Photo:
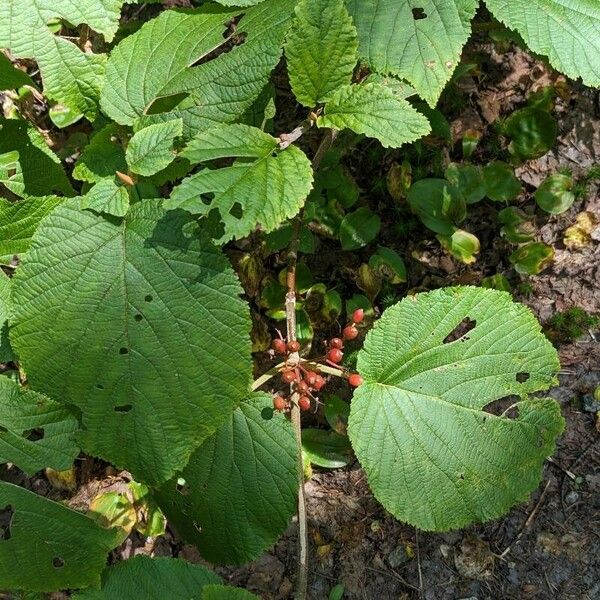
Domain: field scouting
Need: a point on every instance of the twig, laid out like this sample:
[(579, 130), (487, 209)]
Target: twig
[(419, 563), (286, 139), (565, 471), (290, 317), (529, 520)]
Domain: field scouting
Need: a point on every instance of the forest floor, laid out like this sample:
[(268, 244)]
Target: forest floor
[(546, 548)]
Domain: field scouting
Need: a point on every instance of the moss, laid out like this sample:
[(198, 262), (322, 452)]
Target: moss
[(569, 325)]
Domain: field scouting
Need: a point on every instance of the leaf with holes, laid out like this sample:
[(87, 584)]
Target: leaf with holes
[(35, 431), (18, 222), (89, 327), (320, 50), (151, 149), (108, 197), (54, 547), (566, 31), (71, 77), (418, 40), (433, 456), (164, 71), (240, 486), (375, 111), (264, 190)]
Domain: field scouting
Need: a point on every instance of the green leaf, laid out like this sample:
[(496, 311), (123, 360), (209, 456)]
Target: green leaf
[(517, 226), (336, 592), (468, 179), (240, 489), (374, 110), (38, 171), (326, 448), (320, 50), (90, 329), (151, 149), (242, 3), (566, 31), (359, 228), (399, 88), (5, 349), (433, 456), (438, 204), (532, 258), (501, 185), (462, 245), (63, 116), (151, 579), (18, 222), (496, 282), (107, 197), (418, 40), (554, 194), (532, 132), (226, 592), (103, 156), (389, 264), (54, 547), (149, 78), (336, 413), (265, 190), (71, 77), (23, 412), (12, 78)]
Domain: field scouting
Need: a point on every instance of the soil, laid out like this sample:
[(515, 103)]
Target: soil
[(547, 548)]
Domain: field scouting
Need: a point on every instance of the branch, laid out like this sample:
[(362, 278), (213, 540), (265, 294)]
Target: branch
[(290, 316), (286, 139)]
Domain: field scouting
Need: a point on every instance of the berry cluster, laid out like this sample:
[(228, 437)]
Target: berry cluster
[(306, 382)]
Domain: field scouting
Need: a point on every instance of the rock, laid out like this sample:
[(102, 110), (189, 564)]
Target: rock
[(398, 556), (572, 497), (475, 559), (590, 404)]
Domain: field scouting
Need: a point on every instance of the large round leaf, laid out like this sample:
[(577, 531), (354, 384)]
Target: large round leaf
[(240, 486), (433, 456), (137, 322), (152, 579), (47, 547), (35, 432)]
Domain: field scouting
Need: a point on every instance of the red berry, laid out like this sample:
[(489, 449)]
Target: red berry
[(278, 345), (310, 377), (279, 403), (358, 315), (293, 346), (335, 355), (302, 387), (336, 343), (350, 332), (288, 376), (354, 379), (304, 403), (319, 382)]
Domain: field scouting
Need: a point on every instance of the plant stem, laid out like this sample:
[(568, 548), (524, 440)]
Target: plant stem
[(290, 316)]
